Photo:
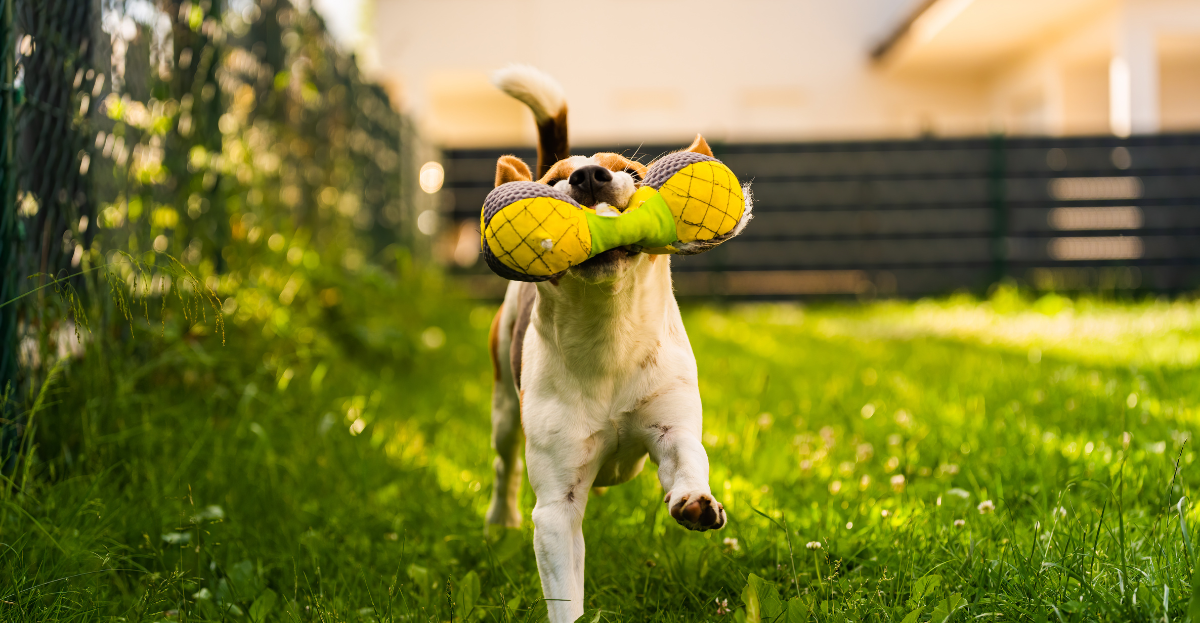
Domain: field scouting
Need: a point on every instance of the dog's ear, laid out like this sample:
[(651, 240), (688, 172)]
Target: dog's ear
[(512, 169), (700, 146)]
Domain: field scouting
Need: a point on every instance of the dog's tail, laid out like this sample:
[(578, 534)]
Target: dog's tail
[(544, 96)]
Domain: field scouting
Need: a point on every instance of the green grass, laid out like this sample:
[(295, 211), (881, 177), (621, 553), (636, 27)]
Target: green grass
[(338, 469)]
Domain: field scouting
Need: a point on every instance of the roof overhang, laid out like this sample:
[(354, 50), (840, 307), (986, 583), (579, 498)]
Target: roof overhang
[(973, 36)]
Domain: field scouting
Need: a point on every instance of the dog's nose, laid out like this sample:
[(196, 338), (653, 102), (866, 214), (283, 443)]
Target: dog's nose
[(590, 179)]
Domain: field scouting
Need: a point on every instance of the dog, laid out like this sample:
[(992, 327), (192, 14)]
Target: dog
[(593, 368)]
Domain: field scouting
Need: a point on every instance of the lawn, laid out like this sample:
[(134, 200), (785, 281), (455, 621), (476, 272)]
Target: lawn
[(1004, 459)]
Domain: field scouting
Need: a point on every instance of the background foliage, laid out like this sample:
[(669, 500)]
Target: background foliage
[(188, 135)]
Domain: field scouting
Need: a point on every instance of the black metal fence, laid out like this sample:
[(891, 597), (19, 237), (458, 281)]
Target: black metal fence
[(917, 217)]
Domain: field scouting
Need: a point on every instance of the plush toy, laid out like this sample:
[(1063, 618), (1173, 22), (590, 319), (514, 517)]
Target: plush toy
[(688, 204)]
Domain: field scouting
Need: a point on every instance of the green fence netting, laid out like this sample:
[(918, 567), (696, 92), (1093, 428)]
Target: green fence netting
[(142, 133)]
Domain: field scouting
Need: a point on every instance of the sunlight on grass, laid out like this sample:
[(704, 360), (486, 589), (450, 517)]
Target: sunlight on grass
[(1010, 459), (1151, 333)]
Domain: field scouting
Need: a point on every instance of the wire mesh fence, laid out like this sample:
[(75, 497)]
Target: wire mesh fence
[(161, 137)]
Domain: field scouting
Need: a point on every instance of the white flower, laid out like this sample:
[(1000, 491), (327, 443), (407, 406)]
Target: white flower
[(731, 544), (898, 482), (1060, 511), (986, 507), (722, 606), (885, 513), (210, 513), (849, 525), (813, 545)]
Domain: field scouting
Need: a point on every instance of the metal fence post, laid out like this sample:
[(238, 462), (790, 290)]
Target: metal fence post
[(9, 239)]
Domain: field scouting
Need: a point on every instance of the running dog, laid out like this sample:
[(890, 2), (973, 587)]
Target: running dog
[(593, 368)]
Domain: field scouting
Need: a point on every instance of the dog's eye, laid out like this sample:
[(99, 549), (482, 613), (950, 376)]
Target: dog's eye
[(554, 181), (637, 177)]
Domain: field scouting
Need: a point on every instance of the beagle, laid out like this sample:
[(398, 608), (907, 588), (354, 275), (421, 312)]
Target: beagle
[(593, 368)]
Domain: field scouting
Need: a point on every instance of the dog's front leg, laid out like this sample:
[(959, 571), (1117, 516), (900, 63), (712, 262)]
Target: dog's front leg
[(672, 424), (561, 473)]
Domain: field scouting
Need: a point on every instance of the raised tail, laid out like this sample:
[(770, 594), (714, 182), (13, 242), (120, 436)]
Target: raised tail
[(544, 96)]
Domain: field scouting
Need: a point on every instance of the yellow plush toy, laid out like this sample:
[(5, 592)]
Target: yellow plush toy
[(688, 204)]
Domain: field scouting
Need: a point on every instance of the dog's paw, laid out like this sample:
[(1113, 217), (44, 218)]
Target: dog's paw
[(696, 511)]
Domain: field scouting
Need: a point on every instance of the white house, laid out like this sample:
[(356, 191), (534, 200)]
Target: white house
[(770, 70)]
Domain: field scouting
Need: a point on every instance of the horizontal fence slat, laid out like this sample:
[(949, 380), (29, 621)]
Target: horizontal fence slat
[(859, 223), (841, 253)]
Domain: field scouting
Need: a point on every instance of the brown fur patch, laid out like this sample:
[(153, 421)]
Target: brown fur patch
[(560, 171), (617, 162), (526, 297), (651, 357), (563, 169), (512, 169), (700, 146), (645, 400), (552, 141), (494, 343)]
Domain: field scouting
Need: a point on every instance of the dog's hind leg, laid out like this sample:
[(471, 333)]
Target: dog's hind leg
[(504, 509)]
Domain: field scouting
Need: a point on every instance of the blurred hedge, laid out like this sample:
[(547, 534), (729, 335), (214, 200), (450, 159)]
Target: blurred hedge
[(190, 149)]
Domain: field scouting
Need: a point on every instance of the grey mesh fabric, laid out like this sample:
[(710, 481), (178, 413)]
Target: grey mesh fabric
[(506, 194), (502, 270), (510, 192), (670, 165)]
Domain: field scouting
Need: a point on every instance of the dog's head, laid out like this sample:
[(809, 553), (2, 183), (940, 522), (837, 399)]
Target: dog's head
[(605, 182)]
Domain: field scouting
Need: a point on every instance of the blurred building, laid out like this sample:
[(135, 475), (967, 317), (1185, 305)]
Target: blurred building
[(753, 70), (1061, 67)]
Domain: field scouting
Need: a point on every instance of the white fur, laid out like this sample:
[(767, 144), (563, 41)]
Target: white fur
[(532, 86), (624, 186), (608, 380), (747, 215)]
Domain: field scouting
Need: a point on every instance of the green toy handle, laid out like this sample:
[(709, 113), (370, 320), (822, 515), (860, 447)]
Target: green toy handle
[(650, 225)]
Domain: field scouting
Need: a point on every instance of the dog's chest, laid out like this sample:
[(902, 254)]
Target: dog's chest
[(589, 399)]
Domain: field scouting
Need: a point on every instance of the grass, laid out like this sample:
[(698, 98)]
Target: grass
[(1006, 459)]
